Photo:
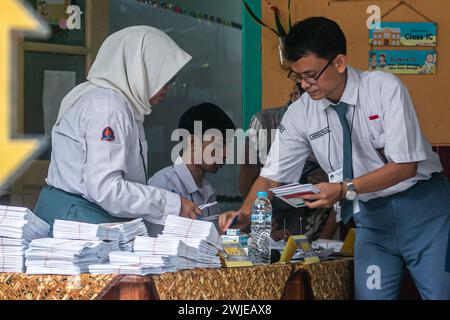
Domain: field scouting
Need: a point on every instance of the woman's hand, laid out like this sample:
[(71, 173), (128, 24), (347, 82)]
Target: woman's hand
[(330, 193), (189, 209)]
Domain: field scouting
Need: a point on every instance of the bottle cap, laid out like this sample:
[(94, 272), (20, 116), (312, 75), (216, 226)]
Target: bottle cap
[(261, 194)]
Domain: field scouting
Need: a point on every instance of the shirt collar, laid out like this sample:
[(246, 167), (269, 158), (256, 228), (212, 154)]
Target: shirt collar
[(350, 95), (185, 175)]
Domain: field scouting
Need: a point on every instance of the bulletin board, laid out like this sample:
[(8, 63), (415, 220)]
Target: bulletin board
[(430, 93)]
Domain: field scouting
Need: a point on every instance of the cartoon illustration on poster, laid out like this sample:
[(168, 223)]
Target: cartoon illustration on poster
[(411, 34), (403, 62)]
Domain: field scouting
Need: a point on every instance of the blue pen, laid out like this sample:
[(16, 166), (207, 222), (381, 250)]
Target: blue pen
[(235, 219)]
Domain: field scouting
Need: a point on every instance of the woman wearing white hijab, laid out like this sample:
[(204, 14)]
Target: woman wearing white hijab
[(98, 168)]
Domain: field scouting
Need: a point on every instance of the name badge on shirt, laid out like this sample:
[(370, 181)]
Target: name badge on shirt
[(337, 177)]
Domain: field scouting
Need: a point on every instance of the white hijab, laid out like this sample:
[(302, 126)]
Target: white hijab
[(136, 62)]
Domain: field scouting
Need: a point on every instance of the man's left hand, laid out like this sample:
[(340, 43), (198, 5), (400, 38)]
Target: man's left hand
[(330, 193)]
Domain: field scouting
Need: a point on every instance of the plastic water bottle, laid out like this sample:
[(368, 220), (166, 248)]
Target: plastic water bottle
[(261, 226)]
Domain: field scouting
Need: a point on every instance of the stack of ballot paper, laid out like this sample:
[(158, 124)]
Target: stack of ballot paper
[(184, 228), (142, 258), (293, 193), (74, 230), (18, 226), (129, 231), (62, 256), (142, 263), (206, 254), (136, 269), (165, 246)]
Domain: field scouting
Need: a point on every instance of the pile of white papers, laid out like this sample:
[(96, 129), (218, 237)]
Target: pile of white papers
[(62, 256), (164, 246), (206, 254), (142, 258), (123, 262), (293, 193), (129, 231), (18, 226), (184, 228), (185, 244), (74, 230), (137, 269), (124, 257)]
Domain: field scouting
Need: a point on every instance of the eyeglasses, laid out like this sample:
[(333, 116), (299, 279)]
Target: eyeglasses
[(311, 80)]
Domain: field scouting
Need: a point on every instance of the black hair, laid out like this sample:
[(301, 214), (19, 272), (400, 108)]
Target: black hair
[(318, 35), (211, 116)]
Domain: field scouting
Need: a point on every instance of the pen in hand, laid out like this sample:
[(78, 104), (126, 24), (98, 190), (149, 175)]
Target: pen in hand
[(235, 220)]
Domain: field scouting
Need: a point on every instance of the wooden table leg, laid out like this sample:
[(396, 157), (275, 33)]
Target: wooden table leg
[(296, 287), (132, 288)]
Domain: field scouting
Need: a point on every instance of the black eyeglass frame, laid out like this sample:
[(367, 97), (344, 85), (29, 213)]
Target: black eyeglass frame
[(314, 80)]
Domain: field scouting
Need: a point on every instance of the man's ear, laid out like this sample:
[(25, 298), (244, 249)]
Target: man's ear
[(341, 63)]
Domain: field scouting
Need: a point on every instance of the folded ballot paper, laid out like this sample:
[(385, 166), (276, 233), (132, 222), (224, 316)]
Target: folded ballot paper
[(136, 269), (184, 228), (293, 193), (142, 258), (128, 231), (18, 226), (206, 256), (142, 263), (21, 223), (63, 256), (74, 230), (165, 246)]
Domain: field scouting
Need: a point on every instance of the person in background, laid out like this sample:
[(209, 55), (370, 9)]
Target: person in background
[(363, 130), (318, 223), (186, 177), (98, 168)]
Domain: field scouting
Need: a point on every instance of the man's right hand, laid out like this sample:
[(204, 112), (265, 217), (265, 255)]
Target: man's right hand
[(189, 209)]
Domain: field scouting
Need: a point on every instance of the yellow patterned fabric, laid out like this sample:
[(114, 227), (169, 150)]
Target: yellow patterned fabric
[(330, 280), (246, 283), (325, 280), (17, 286)]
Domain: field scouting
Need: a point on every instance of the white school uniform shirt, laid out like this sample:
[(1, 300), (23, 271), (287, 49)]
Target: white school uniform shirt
[(384, 128), (96, 153), (177, 178)]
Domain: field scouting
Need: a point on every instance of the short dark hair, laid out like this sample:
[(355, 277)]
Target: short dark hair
[(211, 116), (318, 35)]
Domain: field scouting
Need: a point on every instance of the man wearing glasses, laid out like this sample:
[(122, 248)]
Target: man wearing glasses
[(364, 132)]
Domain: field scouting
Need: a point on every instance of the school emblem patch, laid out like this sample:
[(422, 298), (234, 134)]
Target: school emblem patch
[(108, 135)]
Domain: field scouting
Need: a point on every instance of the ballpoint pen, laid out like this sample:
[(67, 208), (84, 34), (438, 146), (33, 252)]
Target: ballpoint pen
[(235, 219)]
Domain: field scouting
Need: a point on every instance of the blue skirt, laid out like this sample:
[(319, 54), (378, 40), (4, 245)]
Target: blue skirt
[(56, 204)]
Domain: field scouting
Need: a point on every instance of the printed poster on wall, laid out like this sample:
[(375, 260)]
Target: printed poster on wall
[(411, 34), (403, 61)]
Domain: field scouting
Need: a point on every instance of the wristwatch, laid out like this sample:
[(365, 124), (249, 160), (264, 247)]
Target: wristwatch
[(351, 194)]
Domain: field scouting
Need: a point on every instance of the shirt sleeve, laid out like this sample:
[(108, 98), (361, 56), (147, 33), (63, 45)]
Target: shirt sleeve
[(289, 150), (252, 146), (108, 133), (166, 179), (404, 141)]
